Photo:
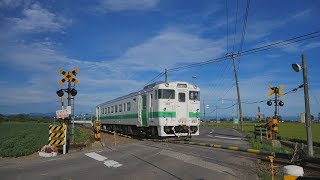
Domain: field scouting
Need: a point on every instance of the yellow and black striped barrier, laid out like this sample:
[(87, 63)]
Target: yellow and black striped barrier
[(57, 128), (233, 148), (57, 136)]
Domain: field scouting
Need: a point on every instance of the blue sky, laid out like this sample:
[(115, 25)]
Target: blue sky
[(121, 45)]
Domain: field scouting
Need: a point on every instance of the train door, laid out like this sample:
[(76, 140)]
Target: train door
[(144, 114), (182, 106)]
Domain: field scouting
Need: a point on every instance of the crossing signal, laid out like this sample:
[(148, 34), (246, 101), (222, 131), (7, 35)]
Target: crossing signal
[(73, 92), (60, 93), (281, 103), (269, 103)]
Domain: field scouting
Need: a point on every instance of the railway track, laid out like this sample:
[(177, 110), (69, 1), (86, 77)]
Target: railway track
[(278, 158)]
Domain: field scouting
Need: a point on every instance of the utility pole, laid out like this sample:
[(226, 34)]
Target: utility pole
[(204, 111), (166, 75), (276, 103), (233, 55), (216, 113), (307, 106)]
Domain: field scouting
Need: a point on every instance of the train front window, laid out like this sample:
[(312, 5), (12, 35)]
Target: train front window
[(166, 94), (194, 95)]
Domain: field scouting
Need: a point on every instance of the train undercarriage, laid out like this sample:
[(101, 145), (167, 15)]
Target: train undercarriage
[(152, 131)]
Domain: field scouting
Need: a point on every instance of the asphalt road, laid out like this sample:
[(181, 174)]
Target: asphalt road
[(142, 160)]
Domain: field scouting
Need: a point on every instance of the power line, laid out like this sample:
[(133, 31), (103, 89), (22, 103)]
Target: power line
[(244, 26), (251, 51), (223, 108), (294, 90), (282, 43), (235, 27), (227, 26), (244, 53), (153, 79)]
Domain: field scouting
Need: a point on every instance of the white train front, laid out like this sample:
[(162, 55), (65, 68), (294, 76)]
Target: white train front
[(160, 109)]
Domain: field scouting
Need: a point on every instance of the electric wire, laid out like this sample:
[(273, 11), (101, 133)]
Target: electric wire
[(244, 53), (244, 26), (235, 27), (223, 108), (251, 51), (227, 25)]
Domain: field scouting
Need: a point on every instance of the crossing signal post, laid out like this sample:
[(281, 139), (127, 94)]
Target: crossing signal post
[(71, 91), (272, 124)]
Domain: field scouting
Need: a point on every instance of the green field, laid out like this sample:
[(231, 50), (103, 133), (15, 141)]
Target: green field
[(25, 138), (287, 130), (22, 138)]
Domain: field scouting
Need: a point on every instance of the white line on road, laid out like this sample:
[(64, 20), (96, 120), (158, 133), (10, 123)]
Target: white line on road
[(210, 135), (224, 137), (108, 163), (96, 156), (112, 163)]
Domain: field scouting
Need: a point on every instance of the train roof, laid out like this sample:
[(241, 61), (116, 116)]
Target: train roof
[(145, 89)]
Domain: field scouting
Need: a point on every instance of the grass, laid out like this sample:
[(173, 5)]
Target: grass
[(21, 139), (287, 130), (82, 135), (25, 138)]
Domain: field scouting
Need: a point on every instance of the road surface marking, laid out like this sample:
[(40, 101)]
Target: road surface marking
[(210, 136), (224, 137), (112, 163), (96, 156), (108, 163)]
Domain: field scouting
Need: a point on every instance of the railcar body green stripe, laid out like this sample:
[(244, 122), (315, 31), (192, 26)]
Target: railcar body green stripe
[(163, 114), (194, 114)]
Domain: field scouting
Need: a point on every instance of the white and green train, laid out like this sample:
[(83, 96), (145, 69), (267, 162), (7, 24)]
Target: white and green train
[(159, 109)]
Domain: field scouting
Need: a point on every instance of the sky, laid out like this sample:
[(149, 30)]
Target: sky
[(119, 46)]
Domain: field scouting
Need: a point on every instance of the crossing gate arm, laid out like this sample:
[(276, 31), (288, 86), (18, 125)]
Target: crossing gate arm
[(233, 148)]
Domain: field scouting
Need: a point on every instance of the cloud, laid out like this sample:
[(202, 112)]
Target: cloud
[(115, 5), (38, 19), (104, 79), (10, 3), (260, 28), (172, 47)]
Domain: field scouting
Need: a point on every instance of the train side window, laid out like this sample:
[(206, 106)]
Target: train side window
[(182, 97), (105, 111), (120, 107), (111, 109), (128, 106), (124, 107), (116, 108), (108, 110), (155, 94)]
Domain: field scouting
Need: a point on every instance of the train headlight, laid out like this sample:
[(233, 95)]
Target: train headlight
[(164, 109)]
